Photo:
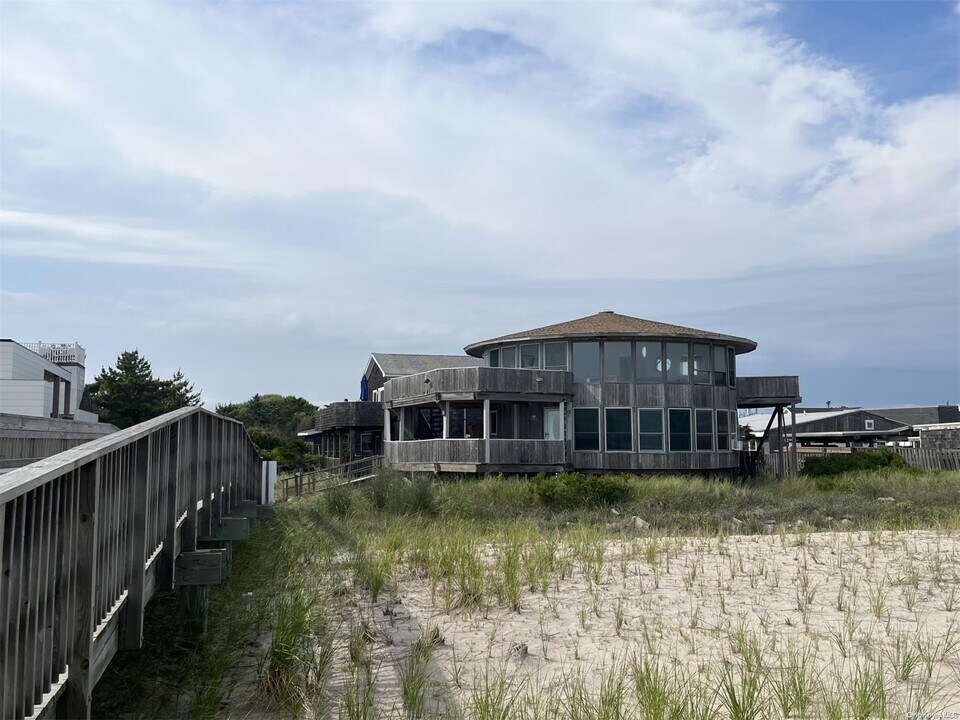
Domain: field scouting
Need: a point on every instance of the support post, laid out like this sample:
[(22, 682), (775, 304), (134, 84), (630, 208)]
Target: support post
[(194, 601), (79, 689), (780, 470), (793, 439), (563, 429), (486, 430), (446, 420), (386, 425)]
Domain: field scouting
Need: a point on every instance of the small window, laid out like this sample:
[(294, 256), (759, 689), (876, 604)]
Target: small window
[(494, 424), (530, 357), (586, 362), (679, 419), (366, 443), (650, 430), (723, 430), (719, 365), (678, 363), (701, 363), (868, 424), (732, 366), (619, 430), (650, 362), (617, 363), (555, 356), (586, 429), (508, 357), (704, 430), (494, 358)]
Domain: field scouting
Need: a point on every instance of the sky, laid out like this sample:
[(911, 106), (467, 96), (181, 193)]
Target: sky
[(262, 194)]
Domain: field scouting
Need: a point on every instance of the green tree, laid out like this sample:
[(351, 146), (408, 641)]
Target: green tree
[(129, 393), (283, 415)]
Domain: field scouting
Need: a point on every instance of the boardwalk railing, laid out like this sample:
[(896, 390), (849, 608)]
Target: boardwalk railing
[(320, 480), (90, 534)]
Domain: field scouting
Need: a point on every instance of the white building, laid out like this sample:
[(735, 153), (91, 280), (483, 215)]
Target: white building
[(42, 380)]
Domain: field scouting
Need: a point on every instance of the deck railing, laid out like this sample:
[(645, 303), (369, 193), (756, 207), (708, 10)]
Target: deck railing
[(319, 480), (473, 452), (478, 381), (90, 533)]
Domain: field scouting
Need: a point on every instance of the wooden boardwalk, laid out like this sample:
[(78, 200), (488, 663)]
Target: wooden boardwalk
[(91, 533)]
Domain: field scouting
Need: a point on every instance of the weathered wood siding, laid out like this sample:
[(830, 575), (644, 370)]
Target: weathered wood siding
[(764, 391), (477, 381), (655, 461), (25, 439), (433, 451), (527, 452), (365, 414)]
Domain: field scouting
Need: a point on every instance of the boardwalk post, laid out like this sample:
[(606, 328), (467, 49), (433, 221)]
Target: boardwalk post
[(169, 553), (131, 627), (79, 686), (194, 601)]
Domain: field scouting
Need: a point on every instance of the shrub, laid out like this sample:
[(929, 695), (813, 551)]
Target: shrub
[(338, 501), (573, 490), (853, 462)]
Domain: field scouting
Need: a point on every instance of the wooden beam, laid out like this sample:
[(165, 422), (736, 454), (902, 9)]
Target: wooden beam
[(200, 567), (230, 528)]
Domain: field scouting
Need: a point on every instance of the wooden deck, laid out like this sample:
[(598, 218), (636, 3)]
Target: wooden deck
[(768, 391), (470, 455), (477, 383)]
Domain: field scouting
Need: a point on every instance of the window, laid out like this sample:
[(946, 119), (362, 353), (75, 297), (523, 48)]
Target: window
[(586, 362), (586, 429), (530, 356), (868, 424), (616, 362), (732, 366), (508, 357), (619, 430), (494, 424), (650, 430), (366, 443), (555, 356), (650, 362), (704, 430), (494, 358), (679, 430), (723, 429), (701, 363), (678, 363), (719, 365)]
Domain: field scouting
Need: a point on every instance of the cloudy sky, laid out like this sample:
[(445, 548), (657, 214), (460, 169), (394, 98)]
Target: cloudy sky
[(264, 193)]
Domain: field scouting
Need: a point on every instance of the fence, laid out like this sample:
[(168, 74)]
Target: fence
[(927, 459), (89, 535), (320, 480)]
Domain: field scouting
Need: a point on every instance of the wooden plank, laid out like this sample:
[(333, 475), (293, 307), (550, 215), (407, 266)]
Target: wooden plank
[(165, 562), (229, 529), (200, 567), (29, 626), (131, 624), (79, 689), (13, 570)]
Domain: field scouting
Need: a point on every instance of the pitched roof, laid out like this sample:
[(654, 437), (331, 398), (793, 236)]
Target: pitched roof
[(398, 365), (919, 415), (608, 323)]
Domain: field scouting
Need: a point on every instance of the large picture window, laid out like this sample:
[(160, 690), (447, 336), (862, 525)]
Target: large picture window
[(704, 430), (701, 363), (732, 366), (723, 430), (586, 362), (586, 429), (617, 364), (619, 430), (678, 363), (679, 419), (650, 430), (530, 357), (508, 357), (555, 356), (650, 362), (719, 365)]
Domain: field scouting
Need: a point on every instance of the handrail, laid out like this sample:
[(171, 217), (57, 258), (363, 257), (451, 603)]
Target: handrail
[(89, 534), (324, 479)]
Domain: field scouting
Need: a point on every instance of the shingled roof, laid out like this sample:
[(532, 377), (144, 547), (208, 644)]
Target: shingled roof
[(399, 365), (609, 324)]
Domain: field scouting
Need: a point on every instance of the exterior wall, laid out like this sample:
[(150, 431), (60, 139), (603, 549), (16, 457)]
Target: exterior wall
[(25, 439), (849, 422), (18, 363), (943, 437), (375, 379), (27, 397)]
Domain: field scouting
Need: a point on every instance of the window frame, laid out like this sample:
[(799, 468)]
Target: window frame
[(606, 431), (690, 428), (869, 424), (732, 366), (573, 364), (701, 376), (566, 356), (725, 414), (516, 356), (662, 362), (708, 413), (490, 356), (603, 366), (686, 377), (577, 411), (640, 433), (520, 356), (719, 353)]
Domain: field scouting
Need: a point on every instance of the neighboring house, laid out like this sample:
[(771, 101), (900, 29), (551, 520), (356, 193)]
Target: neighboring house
[(41, 386), (604, 392), (349, 430)]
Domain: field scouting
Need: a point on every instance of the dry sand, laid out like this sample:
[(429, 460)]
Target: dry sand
[(857, 594)]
